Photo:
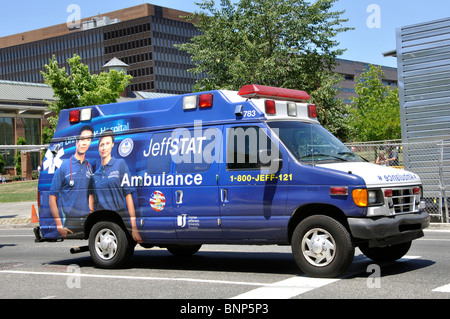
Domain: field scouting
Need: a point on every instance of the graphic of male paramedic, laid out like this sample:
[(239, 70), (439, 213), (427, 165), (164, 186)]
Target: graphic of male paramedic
[(69, 200), (105, 191)]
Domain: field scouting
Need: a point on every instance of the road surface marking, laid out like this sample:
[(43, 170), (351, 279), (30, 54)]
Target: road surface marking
[(42, 273), (445, 288), (297, 285), (286, 288)]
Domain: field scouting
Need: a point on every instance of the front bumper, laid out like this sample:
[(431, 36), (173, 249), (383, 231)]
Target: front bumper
[(385, 231)]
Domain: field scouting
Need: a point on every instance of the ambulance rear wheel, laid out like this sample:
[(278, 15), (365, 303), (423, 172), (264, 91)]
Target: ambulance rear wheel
[(109, 245), (322, 247)]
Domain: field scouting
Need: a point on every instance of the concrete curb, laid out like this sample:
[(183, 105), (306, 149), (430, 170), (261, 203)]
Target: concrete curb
[(439, 226), (18, 222)]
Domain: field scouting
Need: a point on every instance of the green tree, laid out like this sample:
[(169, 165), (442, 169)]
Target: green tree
[(2, 164), (375, 115), (282, 43), (332, 111), (80, 88)]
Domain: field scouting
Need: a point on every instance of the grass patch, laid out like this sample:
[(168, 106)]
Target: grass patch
[(18, 192)]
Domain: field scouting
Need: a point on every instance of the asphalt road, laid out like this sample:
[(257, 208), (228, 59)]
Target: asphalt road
[(49, 271)]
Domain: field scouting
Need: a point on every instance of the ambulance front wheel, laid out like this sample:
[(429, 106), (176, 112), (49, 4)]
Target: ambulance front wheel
[(109, 245), (322, 246)]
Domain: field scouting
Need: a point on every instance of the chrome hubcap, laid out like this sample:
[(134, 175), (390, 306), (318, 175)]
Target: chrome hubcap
[(106, 244), (318, 247)]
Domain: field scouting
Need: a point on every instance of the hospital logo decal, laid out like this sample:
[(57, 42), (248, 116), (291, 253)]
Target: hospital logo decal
[(157, 201), (126, 147), (185, 221), (53, 162)]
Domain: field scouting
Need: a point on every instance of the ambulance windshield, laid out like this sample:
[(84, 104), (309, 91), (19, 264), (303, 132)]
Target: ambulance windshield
[(311, 143)]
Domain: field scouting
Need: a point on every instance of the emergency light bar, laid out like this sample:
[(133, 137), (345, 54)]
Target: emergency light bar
[(262, 91)]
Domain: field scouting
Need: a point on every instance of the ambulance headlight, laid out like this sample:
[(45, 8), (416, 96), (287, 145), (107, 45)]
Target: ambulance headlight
[(367, 197)]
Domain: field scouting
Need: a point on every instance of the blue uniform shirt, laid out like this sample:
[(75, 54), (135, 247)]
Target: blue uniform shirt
[(73, 201), (105, 185)]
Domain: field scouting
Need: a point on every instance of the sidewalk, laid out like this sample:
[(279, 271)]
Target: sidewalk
[(16, 214)]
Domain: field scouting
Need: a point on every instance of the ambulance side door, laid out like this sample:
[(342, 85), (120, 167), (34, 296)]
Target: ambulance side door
[(253, 184)]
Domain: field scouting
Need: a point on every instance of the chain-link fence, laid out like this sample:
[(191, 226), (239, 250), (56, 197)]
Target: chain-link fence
[(429, 160)]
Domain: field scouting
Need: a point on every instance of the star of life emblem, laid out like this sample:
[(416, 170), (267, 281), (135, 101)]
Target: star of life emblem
[(53, 162)]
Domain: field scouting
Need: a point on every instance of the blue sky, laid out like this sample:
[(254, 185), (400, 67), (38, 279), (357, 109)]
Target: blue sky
[(366, 43)]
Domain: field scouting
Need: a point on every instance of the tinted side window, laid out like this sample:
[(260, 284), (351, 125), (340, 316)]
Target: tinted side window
[(249, 147)]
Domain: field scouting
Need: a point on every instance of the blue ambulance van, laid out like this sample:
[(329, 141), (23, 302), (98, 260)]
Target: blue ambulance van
[(221, 167)]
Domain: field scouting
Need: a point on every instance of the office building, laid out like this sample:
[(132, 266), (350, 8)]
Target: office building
[(351, 70), (142, 36)]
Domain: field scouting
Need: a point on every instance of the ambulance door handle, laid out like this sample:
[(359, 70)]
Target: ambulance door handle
[(179, 197), (223, 195)]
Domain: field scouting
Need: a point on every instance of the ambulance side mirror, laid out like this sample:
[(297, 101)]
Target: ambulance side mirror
[(267, 161), (275, 165)]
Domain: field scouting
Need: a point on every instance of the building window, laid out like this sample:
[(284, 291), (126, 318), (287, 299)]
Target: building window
[(7, 138), (348, 77), (33, 137)]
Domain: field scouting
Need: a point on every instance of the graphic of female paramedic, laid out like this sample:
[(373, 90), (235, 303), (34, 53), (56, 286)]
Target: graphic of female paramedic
[(105, 191), (68, 199)]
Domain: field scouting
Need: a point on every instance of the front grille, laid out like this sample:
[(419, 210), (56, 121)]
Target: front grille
[(403, 200)]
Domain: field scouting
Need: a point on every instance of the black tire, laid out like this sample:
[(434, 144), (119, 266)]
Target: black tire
[(183, 250), (109, 245), (388, 253), (322, 247)]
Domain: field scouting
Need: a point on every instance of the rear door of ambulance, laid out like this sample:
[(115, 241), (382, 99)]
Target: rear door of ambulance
[(195, 193), (155, 192)]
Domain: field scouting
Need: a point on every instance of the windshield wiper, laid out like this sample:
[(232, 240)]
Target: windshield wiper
[(346, 153), (354, 155), (321, 154)]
